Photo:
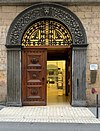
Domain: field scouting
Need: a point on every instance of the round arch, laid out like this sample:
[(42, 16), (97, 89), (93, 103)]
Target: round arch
[(44, 10), (14, 44)]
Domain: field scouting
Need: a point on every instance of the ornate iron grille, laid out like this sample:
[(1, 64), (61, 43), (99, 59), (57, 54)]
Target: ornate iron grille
[(47, 32)]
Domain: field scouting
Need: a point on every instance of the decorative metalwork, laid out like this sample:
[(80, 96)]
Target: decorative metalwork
[(58, 34), (44, 10), (47, 32)]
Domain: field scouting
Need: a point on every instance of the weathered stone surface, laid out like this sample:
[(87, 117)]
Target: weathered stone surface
[(3, 86), (89, 16), (20, 2), (9, 9)]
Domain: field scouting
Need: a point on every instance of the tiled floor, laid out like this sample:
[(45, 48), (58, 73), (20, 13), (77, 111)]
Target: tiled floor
[(56, 99), (56, 96), (61, 113)]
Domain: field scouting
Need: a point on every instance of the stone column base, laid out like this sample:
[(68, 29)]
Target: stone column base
[(79, 103)]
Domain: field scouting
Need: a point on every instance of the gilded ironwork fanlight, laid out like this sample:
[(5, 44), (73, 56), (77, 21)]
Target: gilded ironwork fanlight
[(47, 32)]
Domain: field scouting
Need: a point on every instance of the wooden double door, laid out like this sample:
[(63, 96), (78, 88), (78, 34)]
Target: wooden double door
[(34, 76)]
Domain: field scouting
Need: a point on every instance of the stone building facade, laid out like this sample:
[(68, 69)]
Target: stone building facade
[(88, 13)]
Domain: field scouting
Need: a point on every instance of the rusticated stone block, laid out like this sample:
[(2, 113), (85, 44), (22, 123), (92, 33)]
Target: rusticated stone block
[(8, 9)]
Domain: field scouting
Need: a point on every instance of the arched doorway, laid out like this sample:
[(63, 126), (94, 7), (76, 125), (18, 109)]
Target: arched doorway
[(43, 41), (60, 14)]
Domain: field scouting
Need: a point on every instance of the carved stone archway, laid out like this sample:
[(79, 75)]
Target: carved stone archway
[(13, 44)]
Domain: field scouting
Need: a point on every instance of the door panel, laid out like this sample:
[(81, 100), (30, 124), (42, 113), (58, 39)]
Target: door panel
[(34, 76), (69, 76)]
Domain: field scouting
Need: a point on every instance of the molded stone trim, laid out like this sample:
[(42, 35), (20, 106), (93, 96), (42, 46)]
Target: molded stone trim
[(45, 11), (64, 2)]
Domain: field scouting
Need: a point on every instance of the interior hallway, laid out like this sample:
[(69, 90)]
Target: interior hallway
[(56, 86), (56, 96)]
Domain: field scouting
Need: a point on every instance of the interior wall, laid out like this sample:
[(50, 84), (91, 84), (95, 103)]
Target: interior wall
[(61, 65)]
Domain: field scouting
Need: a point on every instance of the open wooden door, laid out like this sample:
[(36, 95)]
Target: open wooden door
[(69, 76), (34, 76)]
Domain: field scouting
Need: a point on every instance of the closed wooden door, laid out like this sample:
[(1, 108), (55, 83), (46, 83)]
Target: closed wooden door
[(34, 76)]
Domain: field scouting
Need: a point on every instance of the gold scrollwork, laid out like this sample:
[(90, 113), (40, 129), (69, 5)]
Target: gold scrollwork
[(47, 32)]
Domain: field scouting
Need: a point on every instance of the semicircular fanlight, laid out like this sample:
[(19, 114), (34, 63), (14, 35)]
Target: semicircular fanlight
[(46, 32)]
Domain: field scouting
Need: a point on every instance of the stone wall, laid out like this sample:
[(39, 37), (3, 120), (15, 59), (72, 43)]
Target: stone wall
[(7, 15), (65, 2), (89, 16)]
